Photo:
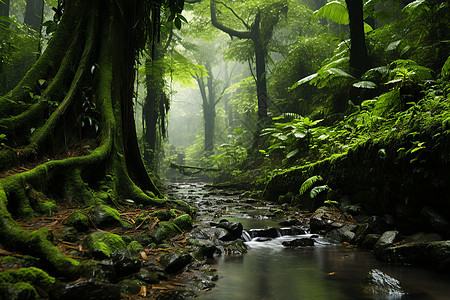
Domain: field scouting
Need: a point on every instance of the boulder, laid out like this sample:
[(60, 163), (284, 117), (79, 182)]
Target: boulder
[(386, 240), (104, 216), (436, 220), (305, 242), (163, 215), (78, 220), (126, 262), (130, 286), (135, 246), (87, 290), (234, 228), (379, 284), (184, 222), (360, 234), (343, 234), (236, 247), (101, 244), (101, 270), (267, 232), (370, 240), (175, 262), (165, 230), (17, 291)]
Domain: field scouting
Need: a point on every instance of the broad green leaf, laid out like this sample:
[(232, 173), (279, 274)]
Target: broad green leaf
[(340, 72), (317, 190), (308, 183), (282, 137), (445, 72), (335, 11), (292, 153), (367, 28), (304, 80), (365, 85), (392, 46)]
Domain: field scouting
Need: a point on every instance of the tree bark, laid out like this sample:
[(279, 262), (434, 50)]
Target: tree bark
[(89, 60), (359, 61)]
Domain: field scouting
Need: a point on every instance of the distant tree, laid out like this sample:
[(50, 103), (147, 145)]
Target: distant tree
[(259, 32), (34, 14), (359, 60)]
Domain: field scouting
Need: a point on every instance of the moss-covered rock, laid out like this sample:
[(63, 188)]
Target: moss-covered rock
[(165, 230), (104, 216), (17, 291), (163, 215), (78, 220), (101, 243), (184, 222), (135, 246), (30, 275), (183, 206), (130, 286), (47, 208)]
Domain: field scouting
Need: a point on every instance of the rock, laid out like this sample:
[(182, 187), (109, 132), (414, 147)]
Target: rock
[(436, 220), (68, 234), (343, 234), (305, 242), (126, 262), (163, 215), (175, 262), (130, 286), (262, 239), (206, 251), (222, 234), (290, 222), (294, 230), (101, 244), (147, 276), (370, 240), (78, 220), (165, 230), (380, 284), (236, 247), (87, 290), (268, 232), (360, 234), (439, 253), (184, 222), (135, 246), (386, 240), (320, 223), (234, 228), (31, 275), (104, 216), (17, 291), (102, 270)]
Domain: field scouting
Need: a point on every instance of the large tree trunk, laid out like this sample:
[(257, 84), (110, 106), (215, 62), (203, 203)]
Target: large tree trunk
[(89, 62), (260, 57), (359, 60)]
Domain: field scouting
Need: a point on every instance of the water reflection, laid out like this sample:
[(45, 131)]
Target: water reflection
[(272, 272)]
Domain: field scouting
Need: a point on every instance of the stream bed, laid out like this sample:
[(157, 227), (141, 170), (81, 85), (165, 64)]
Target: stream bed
[(270, 271)]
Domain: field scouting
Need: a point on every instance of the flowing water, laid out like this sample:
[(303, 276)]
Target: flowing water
[(271, 271)]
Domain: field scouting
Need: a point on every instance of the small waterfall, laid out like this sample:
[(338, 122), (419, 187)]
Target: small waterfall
[(245, 236)]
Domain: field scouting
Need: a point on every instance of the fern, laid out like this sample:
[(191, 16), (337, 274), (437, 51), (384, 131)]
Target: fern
[(317, 190), (309, 183)]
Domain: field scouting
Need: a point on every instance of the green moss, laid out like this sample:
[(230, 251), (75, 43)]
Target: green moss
[(78, 220), (101, 243), (17, 291), (163, 215), (104, 216), (47, 208), (184, 222), (31, 275), (135, 246), (166, 230)]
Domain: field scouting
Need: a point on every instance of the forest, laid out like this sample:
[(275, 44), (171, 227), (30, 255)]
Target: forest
[(171, 149)]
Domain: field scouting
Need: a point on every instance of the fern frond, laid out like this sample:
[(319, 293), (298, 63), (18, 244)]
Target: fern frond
[(317, 190), (308, 183)]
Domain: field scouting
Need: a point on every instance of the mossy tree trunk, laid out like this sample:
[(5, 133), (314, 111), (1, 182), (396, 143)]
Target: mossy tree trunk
[(77, 98)]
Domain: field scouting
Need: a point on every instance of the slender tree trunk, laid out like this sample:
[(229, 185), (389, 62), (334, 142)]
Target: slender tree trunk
[(4, 12), (359, 60)]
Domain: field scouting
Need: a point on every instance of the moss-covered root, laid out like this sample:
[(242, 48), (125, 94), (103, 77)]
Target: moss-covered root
[(37, 243)]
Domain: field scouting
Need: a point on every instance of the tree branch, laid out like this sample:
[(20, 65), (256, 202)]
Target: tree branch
[(235, 14), (220, 26)]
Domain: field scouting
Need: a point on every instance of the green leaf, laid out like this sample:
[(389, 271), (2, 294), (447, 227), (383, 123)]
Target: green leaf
[(317, 190), (367, 28), (340, 72), (308, 183), (365, 85), (304, 80), (292, 153), (335, 11), (282, 137), (41, 81)]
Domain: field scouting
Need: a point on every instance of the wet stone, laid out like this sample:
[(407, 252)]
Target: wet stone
[(370, 240), (305, 242), (78, 220), (380, 284), (175, 262), (268, 232), (87, 290), (126, 262)]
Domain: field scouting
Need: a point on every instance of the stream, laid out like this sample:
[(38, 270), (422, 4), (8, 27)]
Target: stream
[(271, 271)]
